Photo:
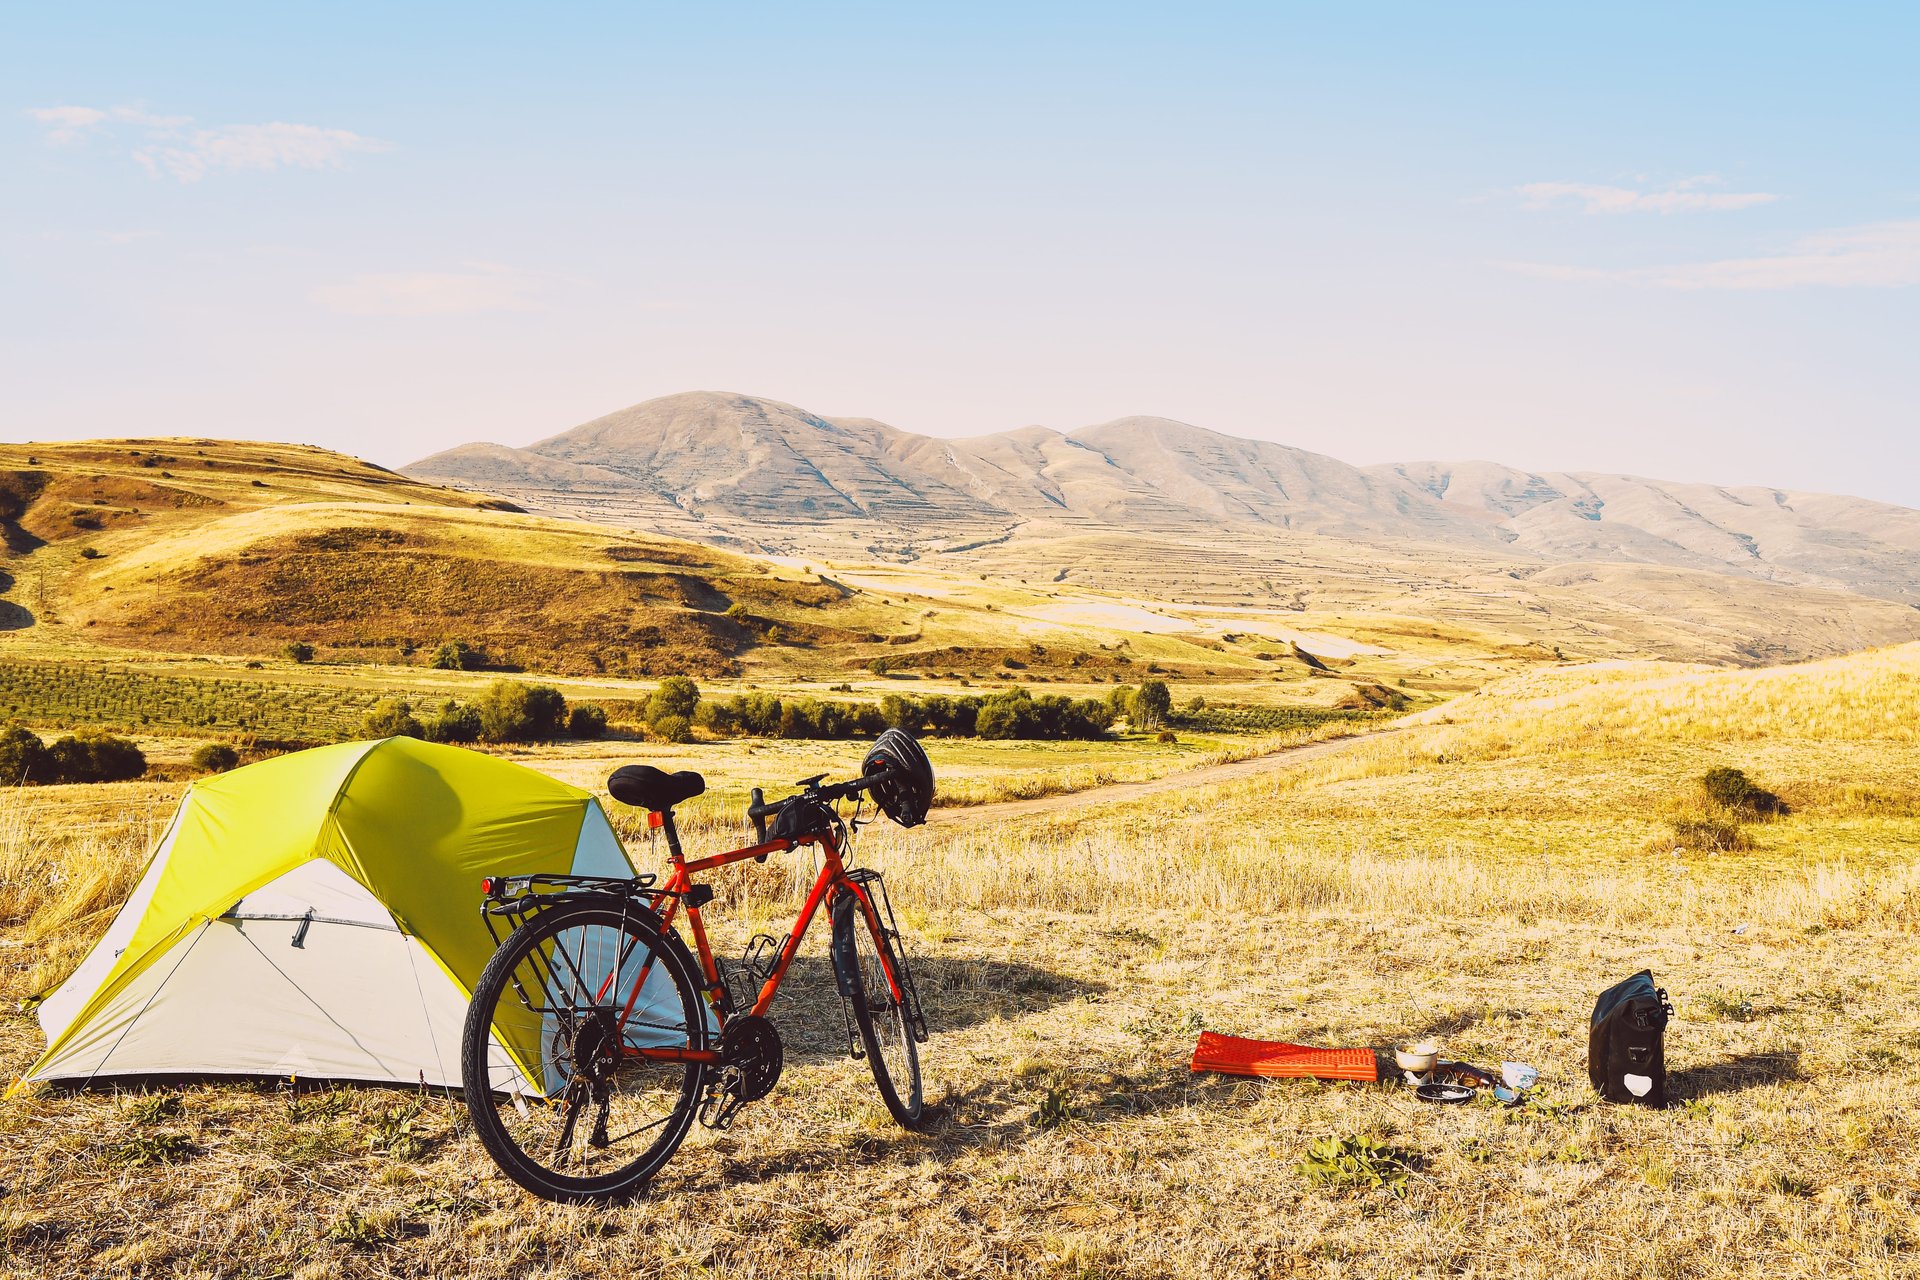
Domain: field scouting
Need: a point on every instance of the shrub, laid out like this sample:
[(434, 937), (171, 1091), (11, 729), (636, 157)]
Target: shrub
[(213, 757), (676, 696), (674, 728), (23, 757), (1714, 835), (587, 720), (391, 718), (1731, 789), (95, 757), (298, 651), (515, 712), (454, 722), (458, 655), (89, 553)]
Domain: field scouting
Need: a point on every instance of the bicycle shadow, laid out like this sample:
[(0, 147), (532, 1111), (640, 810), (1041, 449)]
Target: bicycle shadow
[(955, 993)]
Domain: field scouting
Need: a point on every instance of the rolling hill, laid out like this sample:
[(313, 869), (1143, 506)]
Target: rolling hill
[(762, 474)]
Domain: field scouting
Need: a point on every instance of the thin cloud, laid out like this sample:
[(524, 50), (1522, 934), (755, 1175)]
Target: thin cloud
[(1880, 255), (433, 293), (255, 146), (169, 148), (1691, 195)]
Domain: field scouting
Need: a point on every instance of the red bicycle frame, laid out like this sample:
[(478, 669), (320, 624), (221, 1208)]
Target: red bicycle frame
[(679, 889)]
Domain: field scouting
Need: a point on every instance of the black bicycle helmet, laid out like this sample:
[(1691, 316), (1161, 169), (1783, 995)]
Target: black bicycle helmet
[(907, 792)]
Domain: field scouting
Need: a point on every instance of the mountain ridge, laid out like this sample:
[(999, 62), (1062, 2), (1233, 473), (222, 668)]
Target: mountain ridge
[(735, 465)]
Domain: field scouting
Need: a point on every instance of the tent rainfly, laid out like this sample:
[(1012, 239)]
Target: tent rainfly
[(317, 915)]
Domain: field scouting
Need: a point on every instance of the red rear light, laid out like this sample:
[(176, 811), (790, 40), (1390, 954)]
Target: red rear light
[(486, 886), (656, 820)]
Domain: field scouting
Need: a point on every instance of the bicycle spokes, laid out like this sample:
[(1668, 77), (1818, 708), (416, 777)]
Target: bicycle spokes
[(579, 1098)]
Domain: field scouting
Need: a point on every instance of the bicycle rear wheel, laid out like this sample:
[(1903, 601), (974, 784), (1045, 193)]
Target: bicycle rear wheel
[(558, 1098), (880, 1015)]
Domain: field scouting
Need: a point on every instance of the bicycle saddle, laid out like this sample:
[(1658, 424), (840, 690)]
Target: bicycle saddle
[(645, 787)]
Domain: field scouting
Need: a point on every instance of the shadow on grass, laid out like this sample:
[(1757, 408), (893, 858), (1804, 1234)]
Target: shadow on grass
[(955, 993), (1733, 1075)]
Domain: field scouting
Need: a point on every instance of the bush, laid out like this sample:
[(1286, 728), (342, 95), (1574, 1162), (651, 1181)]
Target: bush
[(94, 757), (89, 553), (515, 712), (298, 651), (458, 655), (391, 718), (674, 728), (587, 721), (676, 696), (454, 722), (23, 757), (213, 757), (1710, 835), (1731, 789)]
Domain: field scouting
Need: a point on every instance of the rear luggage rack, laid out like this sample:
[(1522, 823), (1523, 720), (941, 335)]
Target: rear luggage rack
[(514, 898)]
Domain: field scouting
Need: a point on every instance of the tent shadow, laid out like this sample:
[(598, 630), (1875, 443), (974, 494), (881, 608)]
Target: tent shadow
[(1733, 1075)]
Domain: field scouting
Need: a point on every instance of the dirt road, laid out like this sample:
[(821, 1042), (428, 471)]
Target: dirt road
[(1114, 793)]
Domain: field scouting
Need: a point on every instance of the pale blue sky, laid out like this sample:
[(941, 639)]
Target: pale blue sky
[(1681, 245)]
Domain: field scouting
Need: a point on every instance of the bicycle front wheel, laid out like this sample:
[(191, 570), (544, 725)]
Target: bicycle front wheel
[(560, 1097), (880, 1013)]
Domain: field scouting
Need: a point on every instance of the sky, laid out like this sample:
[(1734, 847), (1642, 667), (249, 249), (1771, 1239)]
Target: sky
[(1674, 241)]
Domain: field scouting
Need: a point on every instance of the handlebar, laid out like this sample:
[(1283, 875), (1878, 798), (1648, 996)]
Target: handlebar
[(759, 810)]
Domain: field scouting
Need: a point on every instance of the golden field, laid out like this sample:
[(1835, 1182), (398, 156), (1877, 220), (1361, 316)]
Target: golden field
[(1477, 873)]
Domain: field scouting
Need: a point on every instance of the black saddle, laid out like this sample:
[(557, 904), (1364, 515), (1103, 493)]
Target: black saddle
[(645, 787)]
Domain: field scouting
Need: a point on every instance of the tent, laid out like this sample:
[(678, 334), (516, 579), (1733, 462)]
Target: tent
[(317, 915)]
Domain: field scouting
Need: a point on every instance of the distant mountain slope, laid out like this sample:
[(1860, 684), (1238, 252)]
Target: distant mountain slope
[(742, 465), (1808, 538)]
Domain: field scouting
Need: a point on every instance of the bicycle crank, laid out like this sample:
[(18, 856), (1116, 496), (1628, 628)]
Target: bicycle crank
[(750, 1061)]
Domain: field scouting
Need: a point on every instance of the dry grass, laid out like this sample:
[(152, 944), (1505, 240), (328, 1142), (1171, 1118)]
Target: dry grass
[(1477, 881)]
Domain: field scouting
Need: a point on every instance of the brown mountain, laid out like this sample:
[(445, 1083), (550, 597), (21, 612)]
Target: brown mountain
[(747, 470)]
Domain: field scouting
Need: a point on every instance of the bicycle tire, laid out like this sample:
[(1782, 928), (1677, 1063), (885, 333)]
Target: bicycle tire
[(880, 1020), (514, 1004)]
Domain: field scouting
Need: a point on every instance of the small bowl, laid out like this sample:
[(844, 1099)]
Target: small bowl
[(1419, 1059)]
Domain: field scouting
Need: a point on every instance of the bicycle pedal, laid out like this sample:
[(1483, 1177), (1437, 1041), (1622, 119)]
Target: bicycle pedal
[(723, 1100)]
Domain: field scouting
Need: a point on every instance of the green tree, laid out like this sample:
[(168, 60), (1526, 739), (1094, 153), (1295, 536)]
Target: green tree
[(587, 720), (454, 722), (95, 757), (515, 712), (391, 718), (23, 757), (676, 696), (298, 651), (213, 757), (674, 728), (1150, 704), (458, 655)]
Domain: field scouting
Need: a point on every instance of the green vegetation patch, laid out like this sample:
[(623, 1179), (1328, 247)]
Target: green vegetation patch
[(62, 694)]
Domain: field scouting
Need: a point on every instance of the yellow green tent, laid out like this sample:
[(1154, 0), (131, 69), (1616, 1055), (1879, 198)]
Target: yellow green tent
[(318, 915)]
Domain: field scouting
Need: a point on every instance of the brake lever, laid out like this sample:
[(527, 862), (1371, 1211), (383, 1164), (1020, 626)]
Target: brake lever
[(755, 800)]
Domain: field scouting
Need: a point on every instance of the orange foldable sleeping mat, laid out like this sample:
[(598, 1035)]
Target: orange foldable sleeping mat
[(1233, 1056)]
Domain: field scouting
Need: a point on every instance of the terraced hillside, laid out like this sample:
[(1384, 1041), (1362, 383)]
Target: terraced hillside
[(769, 474)]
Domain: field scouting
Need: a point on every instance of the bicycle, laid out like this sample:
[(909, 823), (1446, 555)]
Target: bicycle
[(596, 1037)]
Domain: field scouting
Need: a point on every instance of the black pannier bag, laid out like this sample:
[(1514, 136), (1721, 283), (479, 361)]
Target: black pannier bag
[(1626, 1046)]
